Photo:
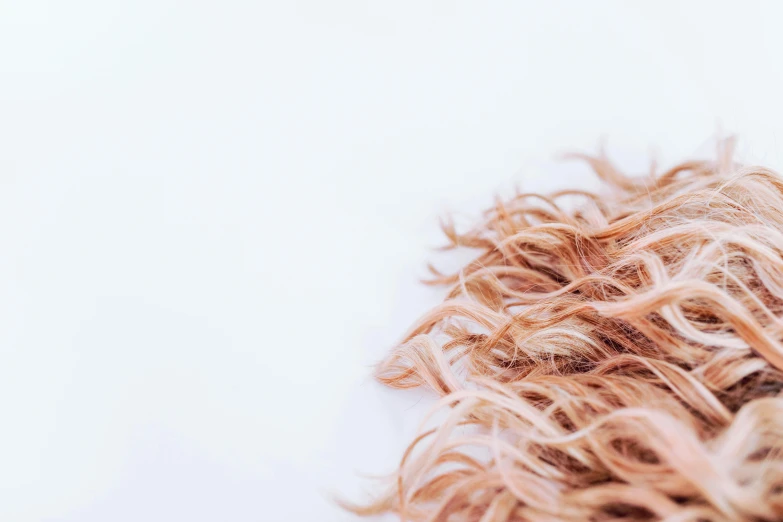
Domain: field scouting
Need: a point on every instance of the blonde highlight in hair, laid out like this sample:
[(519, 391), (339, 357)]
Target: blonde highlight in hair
[(606, 357)]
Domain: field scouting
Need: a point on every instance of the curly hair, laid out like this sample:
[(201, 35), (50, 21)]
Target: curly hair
[(606, 356)]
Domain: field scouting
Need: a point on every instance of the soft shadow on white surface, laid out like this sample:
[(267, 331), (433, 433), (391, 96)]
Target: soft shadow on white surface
[(213, 218)]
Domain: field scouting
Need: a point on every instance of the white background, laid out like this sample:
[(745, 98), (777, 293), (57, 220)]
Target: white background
[(213, 217)]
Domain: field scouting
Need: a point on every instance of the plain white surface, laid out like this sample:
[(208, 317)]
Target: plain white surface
[(213, 216)]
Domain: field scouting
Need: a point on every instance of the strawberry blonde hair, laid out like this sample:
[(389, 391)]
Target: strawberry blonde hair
[(606, 357)]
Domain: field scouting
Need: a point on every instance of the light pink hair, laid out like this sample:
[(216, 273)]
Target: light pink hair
[(619, 361)]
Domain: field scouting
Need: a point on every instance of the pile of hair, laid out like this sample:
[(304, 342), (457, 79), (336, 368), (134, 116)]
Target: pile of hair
[(618, 358)]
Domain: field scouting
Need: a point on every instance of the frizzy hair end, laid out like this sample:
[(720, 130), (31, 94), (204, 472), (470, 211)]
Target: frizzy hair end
[(607, 356)]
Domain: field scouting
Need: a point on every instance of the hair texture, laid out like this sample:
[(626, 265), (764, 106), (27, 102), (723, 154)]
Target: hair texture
[(606, 357)]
